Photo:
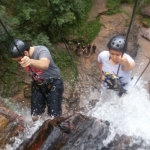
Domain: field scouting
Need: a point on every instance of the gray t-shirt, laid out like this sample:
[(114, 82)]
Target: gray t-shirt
[(103, 58), (53, 71)]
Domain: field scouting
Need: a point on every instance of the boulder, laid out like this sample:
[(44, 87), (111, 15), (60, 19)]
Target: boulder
[(70, 134), (11, 125)]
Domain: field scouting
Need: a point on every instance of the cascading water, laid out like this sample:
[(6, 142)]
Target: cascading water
[(31, 126), (130, 114)]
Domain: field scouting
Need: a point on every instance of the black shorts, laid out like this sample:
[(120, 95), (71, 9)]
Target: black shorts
[(52, 100)]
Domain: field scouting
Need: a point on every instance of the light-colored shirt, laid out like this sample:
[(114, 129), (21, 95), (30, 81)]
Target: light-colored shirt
[(125, 76)]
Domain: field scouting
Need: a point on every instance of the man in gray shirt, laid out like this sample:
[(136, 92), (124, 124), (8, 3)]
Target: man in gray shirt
[(47, 85)]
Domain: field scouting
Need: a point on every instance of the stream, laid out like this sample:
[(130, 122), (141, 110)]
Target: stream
[(128, 115)]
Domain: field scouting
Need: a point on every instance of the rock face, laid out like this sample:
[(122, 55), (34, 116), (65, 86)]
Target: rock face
[(75, 132), (10, 126), (79, 132), (146, 10)]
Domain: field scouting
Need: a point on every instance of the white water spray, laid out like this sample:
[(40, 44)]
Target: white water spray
[(128, 115)]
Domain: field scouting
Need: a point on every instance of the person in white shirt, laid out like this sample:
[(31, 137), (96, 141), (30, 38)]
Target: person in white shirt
[(109, 62)]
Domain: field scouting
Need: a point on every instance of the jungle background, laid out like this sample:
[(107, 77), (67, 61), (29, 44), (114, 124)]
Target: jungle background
[(57, 24)]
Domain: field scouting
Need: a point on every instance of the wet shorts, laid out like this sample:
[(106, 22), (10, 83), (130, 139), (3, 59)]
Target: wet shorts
[(52, 99)]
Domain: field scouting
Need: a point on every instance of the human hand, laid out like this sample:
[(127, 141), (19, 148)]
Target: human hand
[(122, 60), (25, 61)]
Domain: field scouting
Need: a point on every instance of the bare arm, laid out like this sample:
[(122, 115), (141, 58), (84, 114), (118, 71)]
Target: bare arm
[(42, 63), (126, 64), (100, 69)]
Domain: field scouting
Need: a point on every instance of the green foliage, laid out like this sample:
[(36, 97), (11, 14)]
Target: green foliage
[(147, 21), (31, 17), (88, 31), (7, 76), (42, 39), (113, 6), (12, 66), (4, 21), (66, 65)]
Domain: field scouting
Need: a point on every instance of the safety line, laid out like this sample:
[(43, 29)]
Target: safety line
[(15, 45), (126, 41), (142, 73), (59, 29)]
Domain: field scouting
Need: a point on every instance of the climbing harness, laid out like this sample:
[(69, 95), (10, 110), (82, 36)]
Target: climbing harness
[(40, 84), (120, 87), (118, 43), (45, 87), (111, 81)]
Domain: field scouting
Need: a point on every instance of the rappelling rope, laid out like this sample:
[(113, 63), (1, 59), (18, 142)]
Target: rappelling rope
[(142, 73), (126, 41), (12, 41), (61, 34)]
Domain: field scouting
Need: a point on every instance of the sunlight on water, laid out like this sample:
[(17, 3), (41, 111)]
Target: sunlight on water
[(129, 115)]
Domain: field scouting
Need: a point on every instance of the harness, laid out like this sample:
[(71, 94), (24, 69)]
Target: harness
[(112, 81), (46, 86)]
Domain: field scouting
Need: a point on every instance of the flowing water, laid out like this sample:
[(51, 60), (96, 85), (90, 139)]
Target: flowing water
[(130, 114), (30, 126)]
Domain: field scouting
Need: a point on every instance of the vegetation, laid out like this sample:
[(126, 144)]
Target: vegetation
[(39, 23), (146, 21), (113, 6), (45, 22), (88, 31)]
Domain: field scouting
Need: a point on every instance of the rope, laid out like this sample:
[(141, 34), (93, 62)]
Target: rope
[(65, 42), (126, 41), (142, 73), (15, 44)]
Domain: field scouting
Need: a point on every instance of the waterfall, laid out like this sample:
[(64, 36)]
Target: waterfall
[(130, 114)]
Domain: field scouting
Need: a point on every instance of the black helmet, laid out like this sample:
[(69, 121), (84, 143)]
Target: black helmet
[(117, 43), (17, 48)]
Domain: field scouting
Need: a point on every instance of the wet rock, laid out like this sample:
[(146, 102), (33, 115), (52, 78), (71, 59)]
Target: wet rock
[(71, 134), (10, 126), (99, 7), (79, 132), (126, 143), (27, 92), (145, 33), (144, 42), (146, 10)]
